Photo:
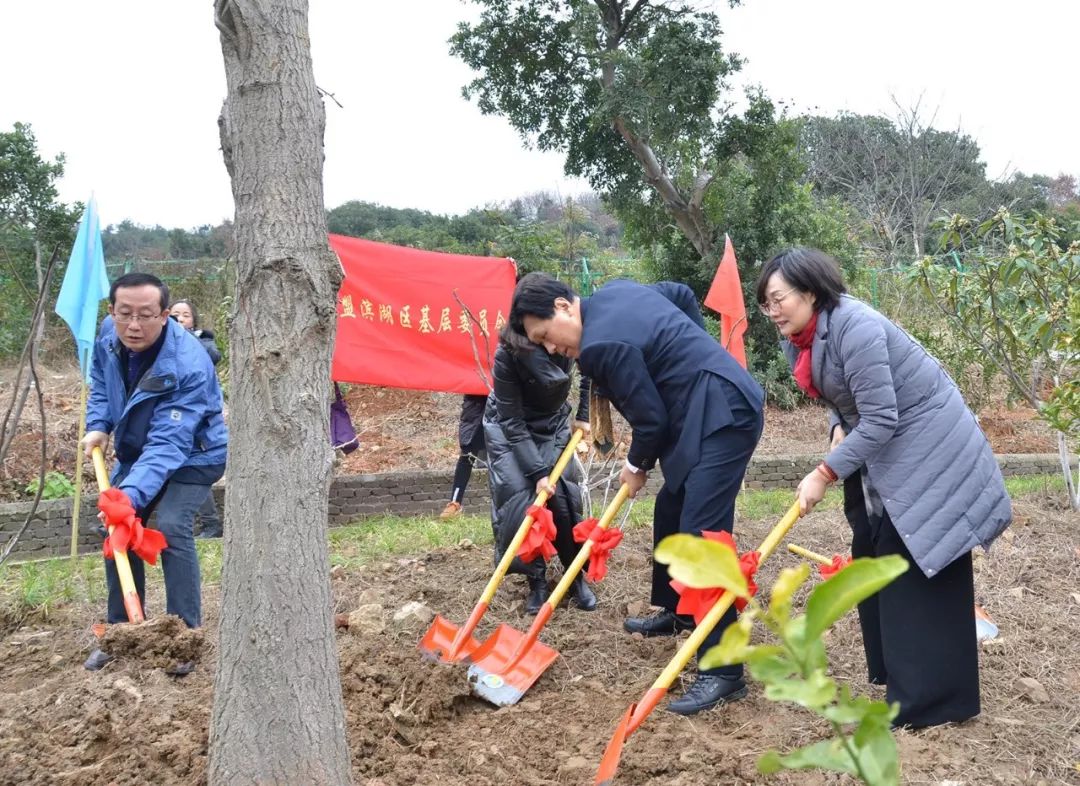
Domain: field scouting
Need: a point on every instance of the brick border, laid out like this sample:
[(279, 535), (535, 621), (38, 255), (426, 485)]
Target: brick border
[(354, 497)]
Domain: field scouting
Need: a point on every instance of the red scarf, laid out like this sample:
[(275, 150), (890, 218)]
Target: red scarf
[(804, 341)]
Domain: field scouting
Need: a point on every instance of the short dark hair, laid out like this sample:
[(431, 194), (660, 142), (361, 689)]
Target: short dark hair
[(189, 304), (535, 296), (129, 280), (808, 270)]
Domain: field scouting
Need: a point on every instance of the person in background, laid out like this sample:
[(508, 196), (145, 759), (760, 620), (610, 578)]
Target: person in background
[(184, 312), (471, 445), (155, 392), (526, 428), (919, 477)]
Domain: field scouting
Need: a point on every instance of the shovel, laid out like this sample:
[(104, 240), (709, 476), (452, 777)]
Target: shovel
[(123, 565), (444, 640), (508, 663), (828, 566), (985, 628), (639, 711)]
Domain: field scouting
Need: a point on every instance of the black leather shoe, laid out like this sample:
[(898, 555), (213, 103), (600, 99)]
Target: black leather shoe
[(707, 691), (538, 595), (181, 669), (582, 594), (666, 623), (97, 661)]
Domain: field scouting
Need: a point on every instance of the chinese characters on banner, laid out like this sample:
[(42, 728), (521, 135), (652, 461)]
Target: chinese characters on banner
[(399, 324)]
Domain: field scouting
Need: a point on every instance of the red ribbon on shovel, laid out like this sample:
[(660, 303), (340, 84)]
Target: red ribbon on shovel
[(697, 601), (537, 541), (839, 562), (128, 532), (604, 541)]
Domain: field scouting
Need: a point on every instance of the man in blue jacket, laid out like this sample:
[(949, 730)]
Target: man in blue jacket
[(155, 391), (691, 406)]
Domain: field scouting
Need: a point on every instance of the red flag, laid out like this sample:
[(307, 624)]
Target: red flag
[(399, 324), (726, 298)]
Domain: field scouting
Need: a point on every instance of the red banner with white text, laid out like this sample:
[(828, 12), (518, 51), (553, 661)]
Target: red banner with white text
[(400, 325)]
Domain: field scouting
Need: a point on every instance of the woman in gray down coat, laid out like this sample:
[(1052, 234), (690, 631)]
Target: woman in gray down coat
[(526, 428), (919, 478)]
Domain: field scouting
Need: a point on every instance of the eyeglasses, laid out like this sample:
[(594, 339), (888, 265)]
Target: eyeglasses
[(142, 319), (775, 302)]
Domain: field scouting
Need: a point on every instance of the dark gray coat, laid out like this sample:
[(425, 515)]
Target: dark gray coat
[(907, 423)]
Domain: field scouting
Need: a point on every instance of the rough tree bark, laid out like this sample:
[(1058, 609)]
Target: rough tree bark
[(277, 714)]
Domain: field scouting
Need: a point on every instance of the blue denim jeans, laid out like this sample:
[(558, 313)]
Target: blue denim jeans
[(210, 518), (176, 506)]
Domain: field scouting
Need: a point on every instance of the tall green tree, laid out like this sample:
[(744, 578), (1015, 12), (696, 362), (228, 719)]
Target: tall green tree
[(33, 221), (629, 91), (636, 95)]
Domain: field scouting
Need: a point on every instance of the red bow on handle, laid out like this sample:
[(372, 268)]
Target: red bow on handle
[(838, 564), (697, 601), (604, 540), (537, 541), (128, 532)]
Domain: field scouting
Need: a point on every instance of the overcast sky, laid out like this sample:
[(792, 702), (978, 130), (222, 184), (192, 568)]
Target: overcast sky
[(130, 91)]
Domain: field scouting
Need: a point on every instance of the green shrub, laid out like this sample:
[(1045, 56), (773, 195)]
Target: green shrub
[(57, 486)]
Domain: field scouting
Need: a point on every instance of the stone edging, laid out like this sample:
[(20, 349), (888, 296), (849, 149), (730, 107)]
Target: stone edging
[(403, 493)]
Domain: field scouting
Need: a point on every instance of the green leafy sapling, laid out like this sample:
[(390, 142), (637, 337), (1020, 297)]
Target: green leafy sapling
[(796, 669)]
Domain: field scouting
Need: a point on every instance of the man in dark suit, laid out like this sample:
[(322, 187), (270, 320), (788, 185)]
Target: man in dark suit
[(691, 406)]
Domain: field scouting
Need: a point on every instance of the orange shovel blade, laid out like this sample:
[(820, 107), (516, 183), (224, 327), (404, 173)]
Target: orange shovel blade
[(438, 642), (501, 671), (610, 763)]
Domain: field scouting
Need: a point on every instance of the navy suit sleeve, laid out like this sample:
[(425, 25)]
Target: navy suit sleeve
[(584, 389), (621, 370), (683, 297)]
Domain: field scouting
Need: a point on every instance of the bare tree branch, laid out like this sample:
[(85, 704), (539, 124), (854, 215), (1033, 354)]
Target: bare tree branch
[(30, 352), (480, 372)]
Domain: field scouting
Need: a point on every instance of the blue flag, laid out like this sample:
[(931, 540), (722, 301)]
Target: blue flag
[(85, 284)]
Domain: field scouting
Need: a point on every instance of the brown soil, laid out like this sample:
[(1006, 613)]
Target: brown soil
[(411, 721), (417, 430), (158, 644)]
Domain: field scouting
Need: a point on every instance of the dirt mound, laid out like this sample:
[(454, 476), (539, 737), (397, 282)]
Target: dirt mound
[(124, 725), (158, 643), (412, 722)]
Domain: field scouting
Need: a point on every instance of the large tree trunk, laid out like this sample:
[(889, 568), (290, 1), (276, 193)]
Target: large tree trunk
[(277, 715)]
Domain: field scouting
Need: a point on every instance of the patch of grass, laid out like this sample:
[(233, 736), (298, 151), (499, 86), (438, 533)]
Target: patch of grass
[(36, 588), (209, 551), (384, 536), (757, 504), (1024, 485)]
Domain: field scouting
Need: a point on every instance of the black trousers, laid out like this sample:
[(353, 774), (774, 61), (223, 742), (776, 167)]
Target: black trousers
[(918, 632), (706, 502), (562, 513)]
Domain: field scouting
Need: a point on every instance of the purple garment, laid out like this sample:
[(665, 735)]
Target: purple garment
[(342, 434)]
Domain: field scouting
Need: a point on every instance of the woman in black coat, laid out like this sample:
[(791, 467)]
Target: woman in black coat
[(526, 428)]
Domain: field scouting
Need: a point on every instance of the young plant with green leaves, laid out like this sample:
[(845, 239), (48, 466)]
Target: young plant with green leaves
[(1009, 286), (57, 486), (796, 668)]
